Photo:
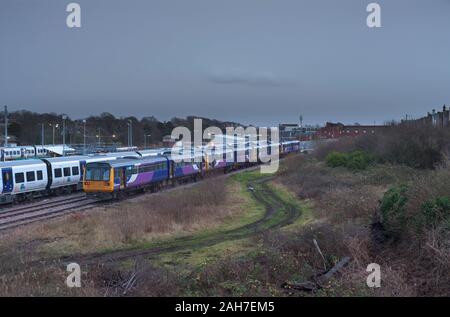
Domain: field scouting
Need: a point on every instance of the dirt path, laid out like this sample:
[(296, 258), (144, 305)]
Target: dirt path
[(278, 213)]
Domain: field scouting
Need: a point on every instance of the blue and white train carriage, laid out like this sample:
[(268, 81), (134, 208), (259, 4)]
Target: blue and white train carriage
[(22, 179), (26, 179)]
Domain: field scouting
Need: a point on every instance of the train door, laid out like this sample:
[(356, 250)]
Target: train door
[(82, 169), (123, 178), (171, 169), (7, 180)]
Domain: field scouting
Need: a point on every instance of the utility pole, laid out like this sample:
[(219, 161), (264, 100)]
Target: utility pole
[(6, 127), (99, 143), (84, 137)]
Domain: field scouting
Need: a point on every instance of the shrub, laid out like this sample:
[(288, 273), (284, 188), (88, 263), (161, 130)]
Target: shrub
[(355, 160), (358, 160), (393, 210), (422, 147), (336, 159), (435, 211)]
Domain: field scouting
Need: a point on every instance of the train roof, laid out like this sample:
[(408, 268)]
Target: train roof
[(20, 163), (133, 161), (154, 152), (290, 142), (118, 154), (181, 157), (66, 158)]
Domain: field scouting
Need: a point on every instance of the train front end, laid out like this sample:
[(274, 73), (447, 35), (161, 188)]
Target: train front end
[(98, 179)]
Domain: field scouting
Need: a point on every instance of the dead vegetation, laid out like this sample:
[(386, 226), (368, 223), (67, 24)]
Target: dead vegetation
[(139, 220), (347, 223), (411, 240)]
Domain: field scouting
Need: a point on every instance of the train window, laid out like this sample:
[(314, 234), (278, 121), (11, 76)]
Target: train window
[(39, 175), (31, 177), (58, 173), (19, 178), (128, 171), (75, 170), (66, 171), (97, 173)]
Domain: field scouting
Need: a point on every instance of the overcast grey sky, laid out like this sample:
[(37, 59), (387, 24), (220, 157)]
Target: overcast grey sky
[(251, 61)]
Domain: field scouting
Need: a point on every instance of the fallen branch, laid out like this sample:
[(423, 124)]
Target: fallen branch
[(322, 279), (318, 280)]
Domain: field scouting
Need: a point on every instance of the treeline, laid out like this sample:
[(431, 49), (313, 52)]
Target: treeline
[(25, 127)]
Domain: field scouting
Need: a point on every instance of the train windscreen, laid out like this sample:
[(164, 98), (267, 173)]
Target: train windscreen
[(97, 172)]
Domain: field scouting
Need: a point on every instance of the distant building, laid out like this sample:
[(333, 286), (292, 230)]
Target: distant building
[(439, 119), (292, 131), (339, 130)]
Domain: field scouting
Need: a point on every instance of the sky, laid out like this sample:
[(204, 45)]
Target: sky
[(251, 61)]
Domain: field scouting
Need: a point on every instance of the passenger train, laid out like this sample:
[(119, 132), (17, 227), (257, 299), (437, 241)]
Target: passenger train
[(21, 152), (114, 179), (113, 173)]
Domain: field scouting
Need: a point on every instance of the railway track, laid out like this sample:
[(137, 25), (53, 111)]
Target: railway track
[(43, 210)]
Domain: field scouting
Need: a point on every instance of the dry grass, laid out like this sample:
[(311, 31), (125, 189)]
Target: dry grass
[(142, 219), (345, 205), (139, 220)]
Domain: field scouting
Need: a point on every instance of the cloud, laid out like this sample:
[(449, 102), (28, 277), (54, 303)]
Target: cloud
[(240, 77)]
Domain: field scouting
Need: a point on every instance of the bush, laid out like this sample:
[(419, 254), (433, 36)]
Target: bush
[(422, 147), (436, 211), (393, 210), (336, 159), (359, 160), (356, 160)]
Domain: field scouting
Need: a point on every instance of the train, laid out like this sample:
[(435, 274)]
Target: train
[(37, 177), (23, 152), (118, 178), (27, 179)]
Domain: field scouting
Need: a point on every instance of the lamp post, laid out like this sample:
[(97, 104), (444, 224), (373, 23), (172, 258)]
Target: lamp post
[(64, 134), (6, 127), (53, 130), (130, 133), (145, 140), (84, 136), (98, 136), (42, 134)]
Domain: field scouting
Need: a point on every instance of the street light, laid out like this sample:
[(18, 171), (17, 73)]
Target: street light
[(99, 137), (64, 117), (84, 136), (42, 134), (53, 128), (145, 140), (130, 133)]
